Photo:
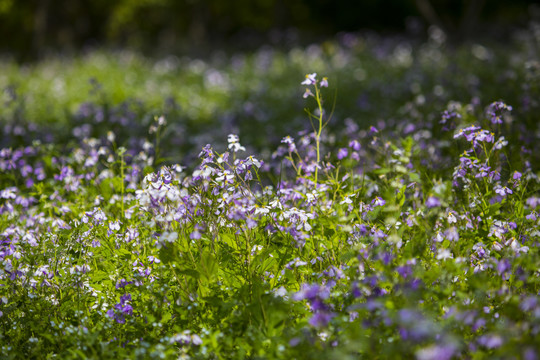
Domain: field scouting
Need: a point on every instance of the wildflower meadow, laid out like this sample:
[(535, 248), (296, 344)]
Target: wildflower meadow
[(365, 198)]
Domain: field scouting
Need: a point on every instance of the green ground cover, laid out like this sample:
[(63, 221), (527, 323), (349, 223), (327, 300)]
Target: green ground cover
[(385, 205)]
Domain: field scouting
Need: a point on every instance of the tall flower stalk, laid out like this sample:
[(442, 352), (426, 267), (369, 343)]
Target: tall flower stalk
[(311, 80)]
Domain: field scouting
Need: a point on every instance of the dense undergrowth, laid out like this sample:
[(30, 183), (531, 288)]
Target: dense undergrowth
[(401, 222)]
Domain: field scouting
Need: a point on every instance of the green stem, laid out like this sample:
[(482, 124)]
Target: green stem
[(122, 175), (318, 137)]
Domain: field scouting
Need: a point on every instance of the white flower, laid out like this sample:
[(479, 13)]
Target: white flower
[(204, 172), (517, 247), (161, 121), (310, 79), (280, 292), (178, 168), (225, 176), (500, 143), (287, 140), (234, 144), (114, 225), (312, 196), (261, 210), (444, 254), (236, 147), (346, 200), (110, 136), (276, 204), (255, 249), (169, 236), (252, 161)]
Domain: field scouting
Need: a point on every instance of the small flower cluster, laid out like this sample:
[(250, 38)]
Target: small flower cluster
[(121, 310), (311, 80)]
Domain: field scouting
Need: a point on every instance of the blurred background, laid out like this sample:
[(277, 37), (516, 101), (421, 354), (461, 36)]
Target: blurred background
[(75, 69), (30, 29)]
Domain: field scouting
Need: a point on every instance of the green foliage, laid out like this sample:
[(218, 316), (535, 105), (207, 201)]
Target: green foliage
[(410, 238)]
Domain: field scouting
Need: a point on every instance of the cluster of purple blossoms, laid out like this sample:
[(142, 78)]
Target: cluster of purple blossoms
[(316, 294), (449, 119), (17, 161), (120, 310), (496, 111), (475, 135)]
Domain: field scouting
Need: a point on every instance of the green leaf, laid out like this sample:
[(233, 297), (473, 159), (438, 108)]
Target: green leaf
[(190, 272), (168, 254), (208, 265)]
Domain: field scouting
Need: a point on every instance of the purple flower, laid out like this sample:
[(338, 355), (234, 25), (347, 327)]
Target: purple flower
[(321, 319), (315, 294), (251, 223), (311, 292), (503, 191), (294, 342), (342, 153), (533, 202), (378, 201), (307, 93), (436, 352), (475, 135), (385, 257), (496, 111), (378, 234), (124, 298), (432, 202), (405, 271), (517, 175), (122, 283), (529, 354), (532, 216), (324, 82), (126, 309), (448, 115), (490, 341), (452, 234), (503, 266), (121, 309), (207, 154), (355, 145), (529, 303)]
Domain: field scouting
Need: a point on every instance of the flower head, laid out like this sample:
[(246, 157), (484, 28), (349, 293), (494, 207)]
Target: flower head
[(503, 191), (497, 110), (342, 153), (310, 79), (378, 201), (307, 93), (432, 202), (324, 82), (234, 143)]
